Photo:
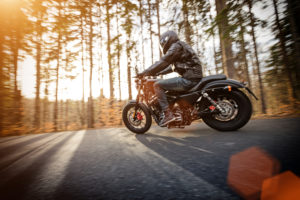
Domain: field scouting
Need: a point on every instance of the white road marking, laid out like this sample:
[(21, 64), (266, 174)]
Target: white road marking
[(200, 149)]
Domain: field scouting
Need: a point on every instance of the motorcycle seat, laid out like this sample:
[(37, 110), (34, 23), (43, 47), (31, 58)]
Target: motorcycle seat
[(206, 80)]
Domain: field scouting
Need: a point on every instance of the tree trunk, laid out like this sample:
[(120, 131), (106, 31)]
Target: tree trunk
[(261, 87), (17, 93), (197, 34), (119, 54), (214, 46), (15, 63), (46, 104), (90, 104), (291, 89), (150, 29), (82, 113), (187, 27), (1, 78), (66, 115), (225, 40), (111, 80), (215, 55), (142, 32), (57, 73), (61, 119), (293, 14), (38, 75), (101, 56), (158, 24), (128, 68), (244, 53)]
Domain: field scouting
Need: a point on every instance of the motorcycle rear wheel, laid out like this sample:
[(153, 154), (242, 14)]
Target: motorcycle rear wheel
[(239, 111), (141, 122)]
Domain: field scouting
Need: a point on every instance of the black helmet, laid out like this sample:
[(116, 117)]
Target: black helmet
[(167, 39)]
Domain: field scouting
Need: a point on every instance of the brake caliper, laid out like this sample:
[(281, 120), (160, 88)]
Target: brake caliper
[(212, 108), (139, 116)]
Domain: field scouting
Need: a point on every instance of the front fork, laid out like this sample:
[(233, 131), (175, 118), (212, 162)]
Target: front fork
[(137, 102)]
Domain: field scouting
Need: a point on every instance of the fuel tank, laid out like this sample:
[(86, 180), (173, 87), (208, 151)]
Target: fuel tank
[(150, 83)]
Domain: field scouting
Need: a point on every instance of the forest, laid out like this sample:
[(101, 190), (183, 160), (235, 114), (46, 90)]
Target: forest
[(82, 55)]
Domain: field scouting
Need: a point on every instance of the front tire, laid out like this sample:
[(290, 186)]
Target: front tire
[(141, 122), (239, 111)]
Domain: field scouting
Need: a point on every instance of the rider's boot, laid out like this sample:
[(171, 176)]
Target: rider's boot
[(167, 118)]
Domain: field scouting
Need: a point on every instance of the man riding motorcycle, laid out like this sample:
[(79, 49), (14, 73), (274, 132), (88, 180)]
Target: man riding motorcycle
[(178, 57)]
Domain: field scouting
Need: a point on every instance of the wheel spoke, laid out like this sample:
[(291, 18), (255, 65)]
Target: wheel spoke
[(230, 107), (135, 122)]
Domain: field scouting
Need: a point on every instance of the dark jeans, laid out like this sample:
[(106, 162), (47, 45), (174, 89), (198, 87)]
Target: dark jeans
[(177, 84)]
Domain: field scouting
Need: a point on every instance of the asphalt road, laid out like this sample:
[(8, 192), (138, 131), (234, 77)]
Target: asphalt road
[(114, 163)]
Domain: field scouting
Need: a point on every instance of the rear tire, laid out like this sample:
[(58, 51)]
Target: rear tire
[(243, 109), (138, 126)]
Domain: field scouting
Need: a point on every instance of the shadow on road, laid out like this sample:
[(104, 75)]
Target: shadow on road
[(17, 187), (193, 155), (206, 153)]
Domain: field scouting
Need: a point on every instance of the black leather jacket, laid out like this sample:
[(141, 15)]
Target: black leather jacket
[(184, 59)]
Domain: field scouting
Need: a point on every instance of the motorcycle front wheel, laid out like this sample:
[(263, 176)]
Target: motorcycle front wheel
[(237, 111), (136, 117)]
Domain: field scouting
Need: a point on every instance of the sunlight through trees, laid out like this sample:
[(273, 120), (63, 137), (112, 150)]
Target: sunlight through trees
[(86, 53)]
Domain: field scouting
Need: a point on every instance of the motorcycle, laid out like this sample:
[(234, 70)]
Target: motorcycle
[(220, 102)]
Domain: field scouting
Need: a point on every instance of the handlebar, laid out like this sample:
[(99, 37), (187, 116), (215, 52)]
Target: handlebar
[(143, 77)]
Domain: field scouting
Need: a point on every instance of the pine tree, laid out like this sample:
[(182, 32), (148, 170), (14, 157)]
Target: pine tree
[(141, 11), (158, 23), (91, 36), (149, 19), (241, 40), (261, 87), (217, 54), (292, 14), (58, 28), (292, 91), (19, 28), (128, 13), (39, 13), (81, 6), (186, 23), (225, 40), (101, 38), (118, 48), (46, 78), (109, 54), (2, 54)]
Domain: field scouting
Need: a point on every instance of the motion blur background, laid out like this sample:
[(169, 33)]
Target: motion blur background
[(69, 64)]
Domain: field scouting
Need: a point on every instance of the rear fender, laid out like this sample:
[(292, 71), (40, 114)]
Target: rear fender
[(227, 84)]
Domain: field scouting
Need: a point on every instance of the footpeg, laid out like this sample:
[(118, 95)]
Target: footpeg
[(178, 119)]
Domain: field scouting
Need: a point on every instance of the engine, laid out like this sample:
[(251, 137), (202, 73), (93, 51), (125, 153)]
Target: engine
[(182, 115)]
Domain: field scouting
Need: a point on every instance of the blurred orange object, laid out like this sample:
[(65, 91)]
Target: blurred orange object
[(248, 169), (284, 186)]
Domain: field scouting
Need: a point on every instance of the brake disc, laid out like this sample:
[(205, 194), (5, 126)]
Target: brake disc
[(230, 108)]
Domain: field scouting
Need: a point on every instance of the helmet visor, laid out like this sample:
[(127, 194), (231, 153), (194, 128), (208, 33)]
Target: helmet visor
[(164, 41)]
